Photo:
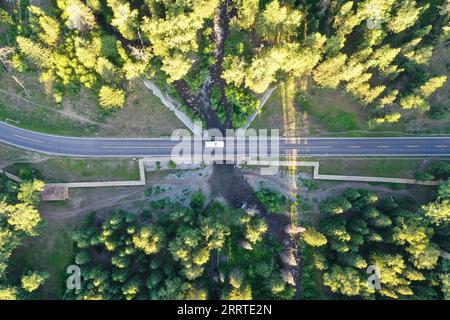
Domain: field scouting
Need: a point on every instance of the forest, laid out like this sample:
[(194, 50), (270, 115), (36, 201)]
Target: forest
[(215, 56), (359, 229), (173, 252)]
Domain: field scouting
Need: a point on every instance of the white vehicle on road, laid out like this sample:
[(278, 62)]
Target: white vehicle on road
[(214, 144)]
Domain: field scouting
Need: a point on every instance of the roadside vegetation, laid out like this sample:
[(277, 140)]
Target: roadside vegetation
[(78, 114), (391, 168), (77, 170)]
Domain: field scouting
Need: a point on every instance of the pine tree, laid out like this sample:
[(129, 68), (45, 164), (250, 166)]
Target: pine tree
[(35, 52), (125, 19), (278, 22), (247, 11), (405, 17), (149, 239)]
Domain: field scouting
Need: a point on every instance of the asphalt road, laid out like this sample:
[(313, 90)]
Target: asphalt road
[(160, 147)]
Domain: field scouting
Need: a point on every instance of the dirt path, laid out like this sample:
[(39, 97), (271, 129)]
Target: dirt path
[(24, 160), (326, 192), (49, 211), (107, 199)]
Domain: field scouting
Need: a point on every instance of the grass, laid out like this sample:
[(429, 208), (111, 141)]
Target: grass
[(332, 110), (320, 111), (339, 120), (40, 121), (390, 168), (38, 112), (52, 252), (143, 115), (8, 154), (80, 170), (271, 115), (374, 167)]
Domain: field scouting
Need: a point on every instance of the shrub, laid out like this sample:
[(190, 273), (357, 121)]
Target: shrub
[(197, 201), (439, 111), (440, 170), (172, 165), (301, 102), (274, 201), (423, 176)]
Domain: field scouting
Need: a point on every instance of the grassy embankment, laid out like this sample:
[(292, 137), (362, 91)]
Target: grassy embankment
[(79, 114)]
